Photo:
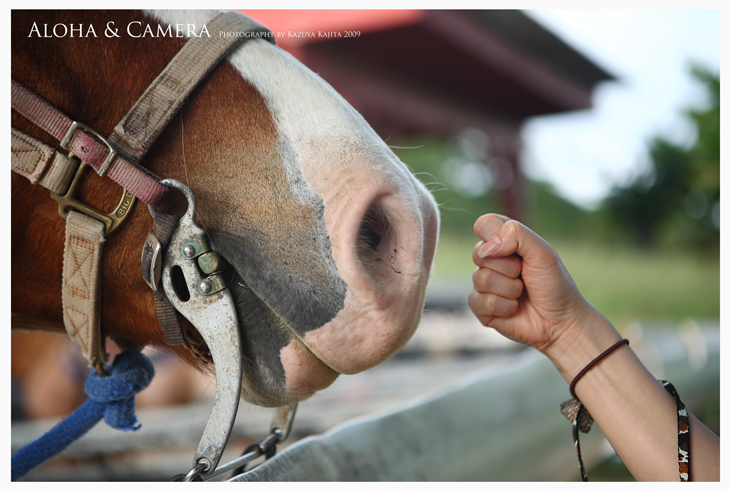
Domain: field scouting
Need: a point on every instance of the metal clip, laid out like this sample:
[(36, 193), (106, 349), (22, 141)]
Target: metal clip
[(152, 244), (210, 262), (195, 473), (111, 221), (214, 316), (195, 247)]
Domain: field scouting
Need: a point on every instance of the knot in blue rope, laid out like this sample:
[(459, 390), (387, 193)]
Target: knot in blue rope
[(131, 372), (110, 397)]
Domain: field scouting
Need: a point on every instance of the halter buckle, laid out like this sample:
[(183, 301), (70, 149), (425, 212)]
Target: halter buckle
[(111, 221), (75, 127)]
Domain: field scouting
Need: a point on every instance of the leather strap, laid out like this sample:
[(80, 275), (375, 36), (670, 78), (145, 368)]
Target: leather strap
[(82, 283), (682, 433), (136, 132), (582, 422)]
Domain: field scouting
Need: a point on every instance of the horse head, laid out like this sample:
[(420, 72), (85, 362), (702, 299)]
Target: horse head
[(329, 237)]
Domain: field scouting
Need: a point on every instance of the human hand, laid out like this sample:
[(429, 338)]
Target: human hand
[(522, 289)]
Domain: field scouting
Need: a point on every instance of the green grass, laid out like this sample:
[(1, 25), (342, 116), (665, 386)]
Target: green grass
[(627, 284), (622, 282)]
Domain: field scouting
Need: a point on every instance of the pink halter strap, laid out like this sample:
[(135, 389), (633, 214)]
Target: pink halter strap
[(88, 145)]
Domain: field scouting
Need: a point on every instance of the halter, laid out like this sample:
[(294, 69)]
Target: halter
[(176, 245)]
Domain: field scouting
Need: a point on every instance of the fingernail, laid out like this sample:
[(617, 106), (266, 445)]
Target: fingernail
[(489, 247)]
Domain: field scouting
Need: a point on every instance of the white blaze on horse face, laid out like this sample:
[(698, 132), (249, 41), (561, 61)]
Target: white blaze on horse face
[(382, 222), (379, 221)]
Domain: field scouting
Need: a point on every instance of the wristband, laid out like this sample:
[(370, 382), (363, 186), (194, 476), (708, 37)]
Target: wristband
[(595, 362)]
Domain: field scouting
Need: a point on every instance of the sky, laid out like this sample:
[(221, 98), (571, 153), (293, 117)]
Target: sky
[(584, 153)]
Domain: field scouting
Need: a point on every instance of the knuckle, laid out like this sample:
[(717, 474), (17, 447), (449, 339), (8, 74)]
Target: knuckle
[(474, 303), (486, 226), (482, 304), (490, 302), (482, 278), (474, 253), (513, 227)]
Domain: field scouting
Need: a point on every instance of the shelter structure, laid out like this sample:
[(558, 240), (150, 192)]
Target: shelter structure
[(440, 72)]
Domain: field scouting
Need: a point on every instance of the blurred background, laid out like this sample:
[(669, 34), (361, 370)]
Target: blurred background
[(599, 129)]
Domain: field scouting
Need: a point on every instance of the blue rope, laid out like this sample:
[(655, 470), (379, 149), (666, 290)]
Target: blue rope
[(110, 397)]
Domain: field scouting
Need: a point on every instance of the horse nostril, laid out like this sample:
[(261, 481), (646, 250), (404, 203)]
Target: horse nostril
[(374, 228), (367, 236), (377, 245)]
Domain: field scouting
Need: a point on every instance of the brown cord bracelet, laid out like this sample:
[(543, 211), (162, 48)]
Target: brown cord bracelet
[(582, 421), (595, 362)]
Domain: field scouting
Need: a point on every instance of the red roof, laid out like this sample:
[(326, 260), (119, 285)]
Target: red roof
[(441, 71), (286, 23)]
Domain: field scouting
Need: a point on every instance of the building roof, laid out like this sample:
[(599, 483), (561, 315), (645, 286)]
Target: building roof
[(497, 67)]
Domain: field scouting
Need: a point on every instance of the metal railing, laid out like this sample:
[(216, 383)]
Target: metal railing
[(493, 426)]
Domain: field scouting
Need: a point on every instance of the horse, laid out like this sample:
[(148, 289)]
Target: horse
[(329, 237)]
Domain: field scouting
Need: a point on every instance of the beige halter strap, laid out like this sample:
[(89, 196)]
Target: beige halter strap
[(41, 163)]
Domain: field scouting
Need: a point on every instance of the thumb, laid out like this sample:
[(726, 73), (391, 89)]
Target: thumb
[(515, 238)]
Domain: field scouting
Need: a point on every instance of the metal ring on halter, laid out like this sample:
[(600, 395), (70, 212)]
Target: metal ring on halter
[(111, 221), (196, 471)]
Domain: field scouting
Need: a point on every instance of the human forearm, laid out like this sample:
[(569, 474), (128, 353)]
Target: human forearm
[(635, 413)]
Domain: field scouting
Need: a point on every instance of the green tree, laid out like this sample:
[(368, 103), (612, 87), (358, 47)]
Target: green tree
[(703, 203), (677, 200)]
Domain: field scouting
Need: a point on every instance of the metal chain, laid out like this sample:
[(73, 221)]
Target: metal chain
[(265, 446)]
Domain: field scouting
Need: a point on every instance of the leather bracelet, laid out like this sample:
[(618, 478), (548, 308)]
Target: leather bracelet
[(595, 362)]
